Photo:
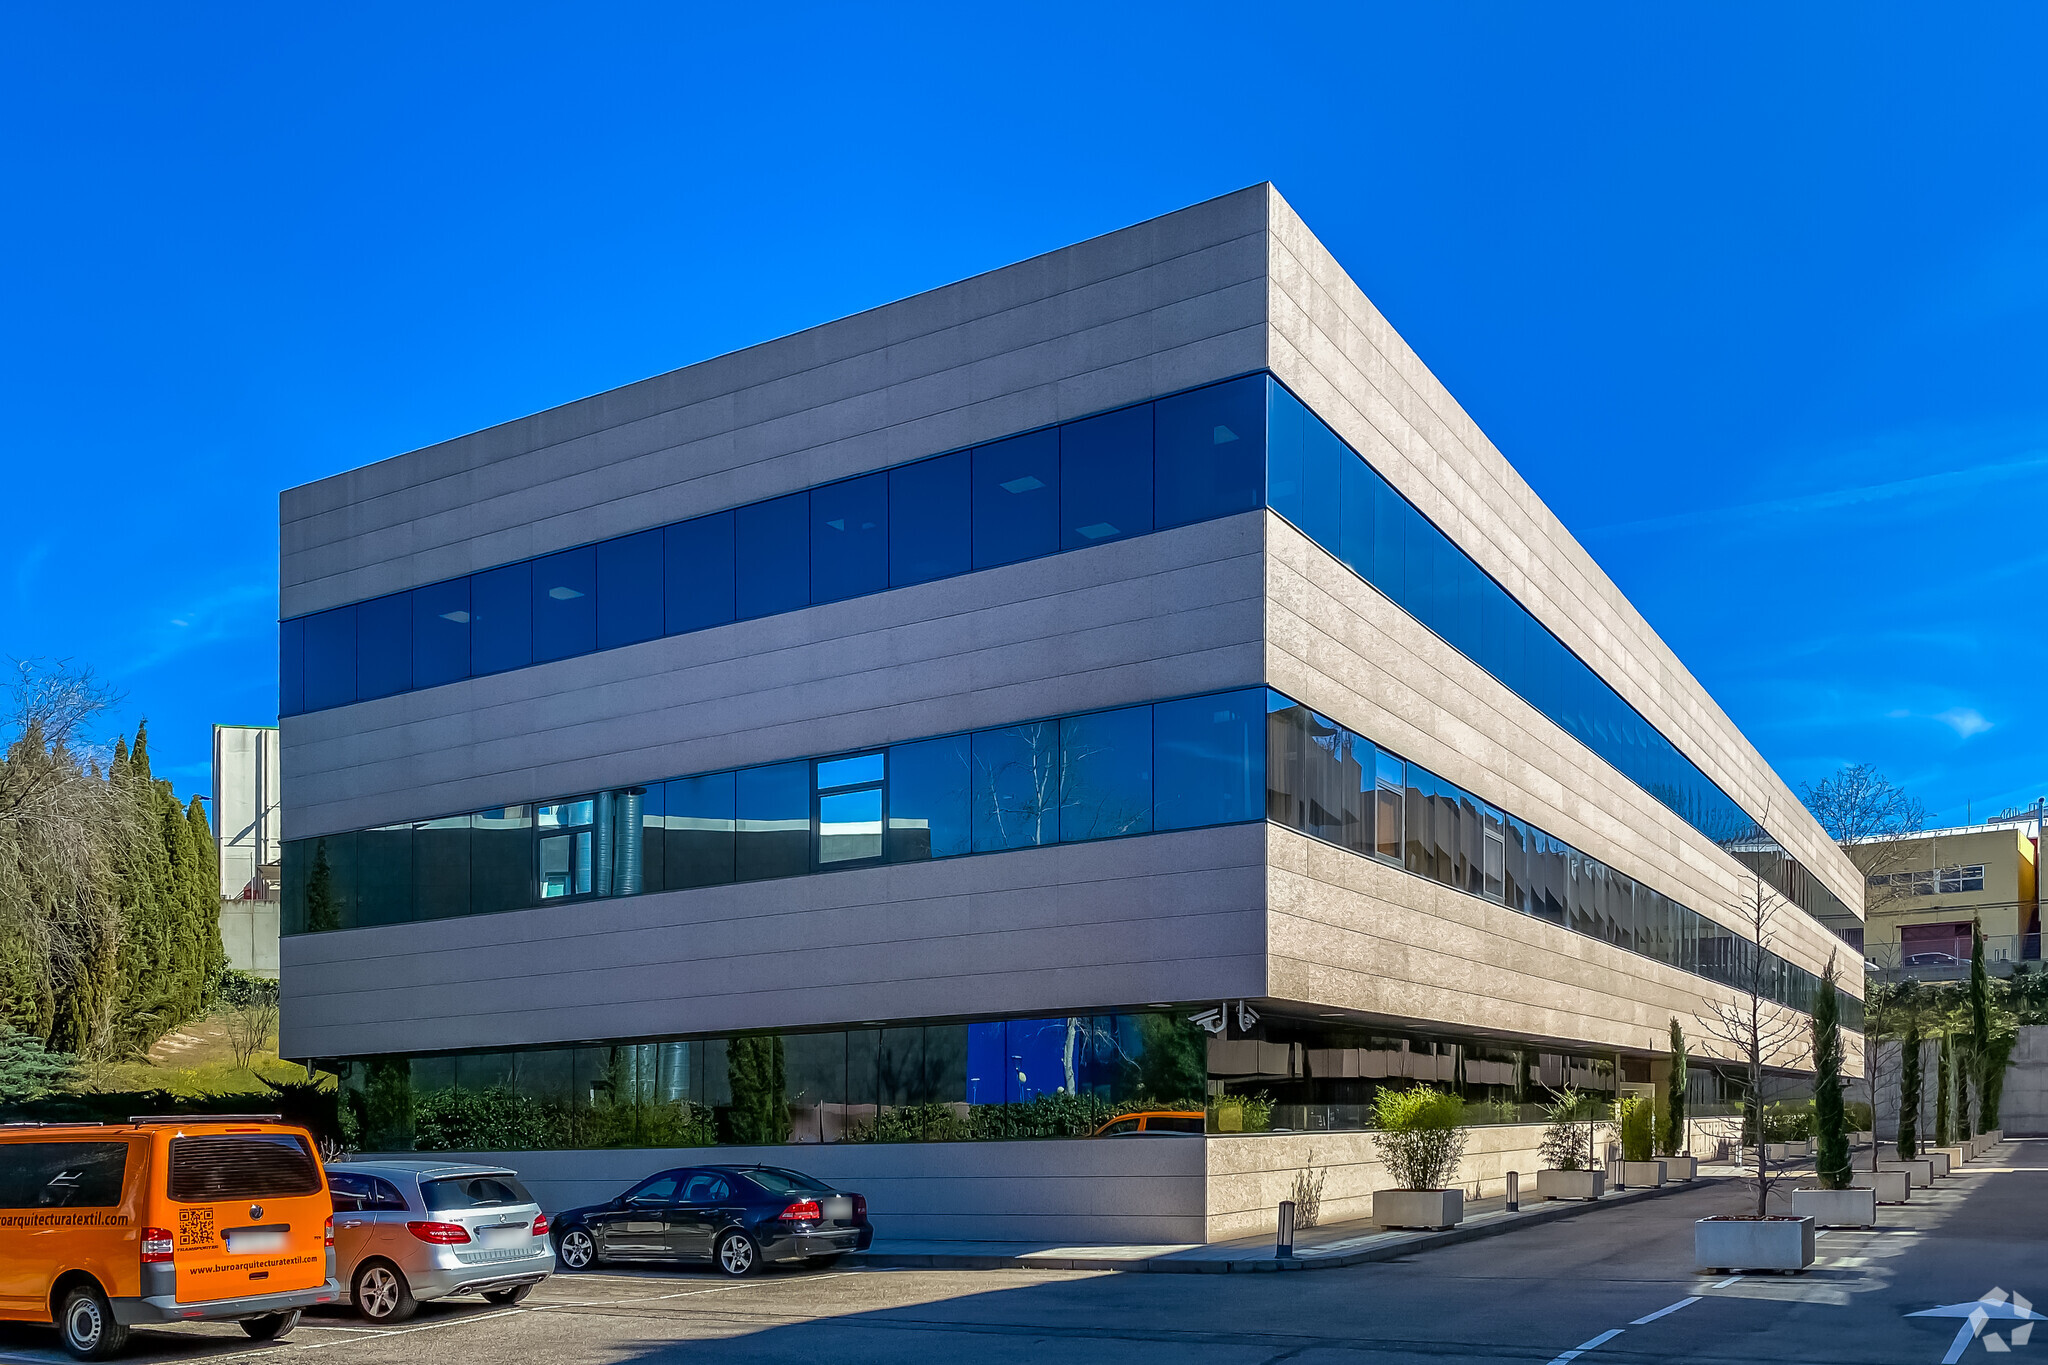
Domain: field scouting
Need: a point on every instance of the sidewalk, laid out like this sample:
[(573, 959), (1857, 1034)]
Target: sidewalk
[(1325, 1248)]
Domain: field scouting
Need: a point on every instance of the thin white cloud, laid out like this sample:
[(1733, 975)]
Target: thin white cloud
[(1964, 720)]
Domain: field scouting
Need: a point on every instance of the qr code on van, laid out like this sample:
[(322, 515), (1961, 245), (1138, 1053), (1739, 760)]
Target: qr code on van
[(195, 1227)]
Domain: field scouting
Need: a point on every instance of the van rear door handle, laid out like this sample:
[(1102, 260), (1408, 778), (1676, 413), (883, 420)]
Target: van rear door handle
[(353, 1223)]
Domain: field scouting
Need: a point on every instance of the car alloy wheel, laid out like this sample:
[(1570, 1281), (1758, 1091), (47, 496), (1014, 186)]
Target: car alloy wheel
[(577, 1250), (382, 1295), (736, 1255)]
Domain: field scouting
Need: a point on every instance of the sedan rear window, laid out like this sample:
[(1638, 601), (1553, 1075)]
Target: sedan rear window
[(208, 1170), (454, 1193), (776, 1180)]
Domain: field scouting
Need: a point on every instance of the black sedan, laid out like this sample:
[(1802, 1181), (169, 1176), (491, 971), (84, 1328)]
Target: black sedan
[(736, 1217)]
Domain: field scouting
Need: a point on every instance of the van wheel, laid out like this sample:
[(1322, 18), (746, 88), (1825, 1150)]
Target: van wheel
[(271, 1326), (87, 1324), (381, 1293)]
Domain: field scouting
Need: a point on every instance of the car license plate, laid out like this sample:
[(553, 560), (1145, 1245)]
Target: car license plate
[(502, 1236), (255, 1241)]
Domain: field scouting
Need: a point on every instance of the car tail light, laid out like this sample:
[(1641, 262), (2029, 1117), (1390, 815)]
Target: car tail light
[(803, 1211), (328, 1231), (440, 1234), (860, 1207), (540, 1226), (156, 1246)]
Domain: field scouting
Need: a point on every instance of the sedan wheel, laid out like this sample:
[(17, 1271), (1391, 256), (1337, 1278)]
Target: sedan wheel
[(382, 1295), (736, 1254), (577, 1251)]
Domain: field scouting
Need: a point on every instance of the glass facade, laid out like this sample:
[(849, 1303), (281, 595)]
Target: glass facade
[(1210, 760), (1191, 457), (1064, 780), (1338, 786), (1211, 452), (937, 1081)]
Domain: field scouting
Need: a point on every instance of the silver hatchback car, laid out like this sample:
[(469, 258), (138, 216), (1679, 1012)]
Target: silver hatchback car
[(405, 1231)]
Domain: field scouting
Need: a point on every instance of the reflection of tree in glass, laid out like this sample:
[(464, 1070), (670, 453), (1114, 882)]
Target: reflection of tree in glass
[(1017, 778), (760, 1089)]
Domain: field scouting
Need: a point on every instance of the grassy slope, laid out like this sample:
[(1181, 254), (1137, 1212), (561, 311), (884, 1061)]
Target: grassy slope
[(194, 1060)]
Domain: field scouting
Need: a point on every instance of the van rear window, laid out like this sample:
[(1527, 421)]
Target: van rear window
[(206, 1170), (61, 1175)]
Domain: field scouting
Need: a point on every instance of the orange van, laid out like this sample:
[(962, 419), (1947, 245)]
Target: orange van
[(103, 1226)]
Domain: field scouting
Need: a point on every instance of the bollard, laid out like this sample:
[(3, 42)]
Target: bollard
[(1616, 1170), (1514, 1191), (1283, 1246)]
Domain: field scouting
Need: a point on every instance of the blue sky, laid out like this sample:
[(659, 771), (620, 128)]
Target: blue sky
[(1753, 296)]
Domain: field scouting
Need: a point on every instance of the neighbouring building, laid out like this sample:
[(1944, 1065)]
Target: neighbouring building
[(1925, 894), (1123, 677), (245, 835)]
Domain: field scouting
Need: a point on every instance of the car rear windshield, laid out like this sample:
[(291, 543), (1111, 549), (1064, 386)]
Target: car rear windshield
[(207, 1170), (775, 1180), (454, 1193)]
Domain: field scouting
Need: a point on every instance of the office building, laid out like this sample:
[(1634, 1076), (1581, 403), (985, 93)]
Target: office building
[(245, 836), (1125, 676)]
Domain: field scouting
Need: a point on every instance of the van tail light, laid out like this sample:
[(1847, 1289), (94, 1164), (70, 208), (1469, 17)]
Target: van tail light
[(440, 1234), (860, 1207), (540, 1226), (328, 1231), (803, 1211), (156, 1246)]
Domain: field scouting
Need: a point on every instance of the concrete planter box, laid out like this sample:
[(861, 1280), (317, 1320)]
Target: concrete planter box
[(1720, 1244), (1956, 1156), (1891, 1187), (1863, 1139), (1837, 1208), (1937, 1157), (1681, 1167), (1418, 1208), (1645, 1174), (1777, 1151), (1570, 1184), (1919, 1171), (1804, 1148)]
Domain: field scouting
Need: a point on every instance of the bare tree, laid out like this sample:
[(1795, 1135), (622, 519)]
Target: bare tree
[(1760, 1033), (1874, 821), (1884, 1021)]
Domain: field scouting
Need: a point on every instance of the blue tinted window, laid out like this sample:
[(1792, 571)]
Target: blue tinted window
[(1358, 490), (1016, 499), (772, 556), (1210, 452), (331, 658), (440, 868), (1324, 459), (1389, 574), (697, 564), (291, 667), (1208, 760), (501, 859), (1106, 774), (774, 821), (928, 799), (930, 522), (1016, 778), (384, 645), (698, 842), (629, 590), (440, 633), (565, 604), (1106, 477), (850, 538), (1286, 419), (501, 619)]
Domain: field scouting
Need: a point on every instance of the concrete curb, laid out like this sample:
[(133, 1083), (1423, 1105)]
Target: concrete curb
[(1199, 1264)]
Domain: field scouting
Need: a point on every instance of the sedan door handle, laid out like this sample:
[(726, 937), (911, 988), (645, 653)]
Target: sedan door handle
[(353, 1223)]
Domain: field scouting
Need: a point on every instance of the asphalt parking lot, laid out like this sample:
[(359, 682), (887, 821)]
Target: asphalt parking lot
[(1613, 1287)]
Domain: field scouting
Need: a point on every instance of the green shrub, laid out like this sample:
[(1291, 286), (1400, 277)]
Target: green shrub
[(1858, 1114), (1421, 1135), (1633, 1115), (499, 1119), (1568, 1141)]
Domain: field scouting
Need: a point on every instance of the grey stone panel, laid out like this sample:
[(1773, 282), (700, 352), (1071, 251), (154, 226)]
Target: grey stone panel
[(1164, 615), (1336, 643), (1160, 306), (1331, 346), (1078, 926)]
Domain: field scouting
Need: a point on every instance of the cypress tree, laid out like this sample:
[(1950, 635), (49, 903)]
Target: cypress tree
[(760, 1090), (321, 914), (1980, 1026), (1831, 1132), (214, 952), (1945, 1095), (1674, 1141), (1909, 1089)]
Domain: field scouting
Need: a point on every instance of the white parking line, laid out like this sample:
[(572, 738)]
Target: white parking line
[(1575, 1352), (1732, 1279), (1661, 1312)]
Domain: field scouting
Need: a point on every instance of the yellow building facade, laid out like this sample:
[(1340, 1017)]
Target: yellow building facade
[(1924, 893)]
